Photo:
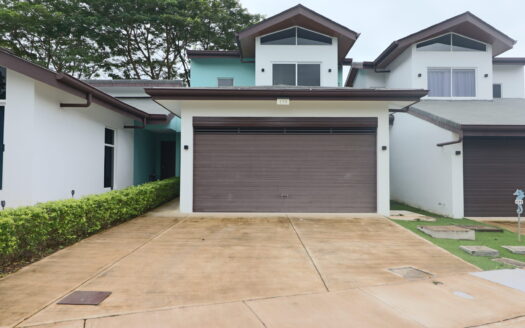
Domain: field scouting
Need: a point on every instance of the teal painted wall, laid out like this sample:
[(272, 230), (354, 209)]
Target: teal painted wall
[(340, 76), (205, 71), (146, 156)]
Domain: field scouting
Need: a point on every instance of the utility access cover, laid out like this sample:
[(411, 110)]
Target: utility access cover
[(80, 297), (410, 273)]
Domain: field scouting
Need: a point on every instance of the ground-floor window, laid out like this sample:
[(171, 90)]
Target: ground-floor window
[(109, 157)]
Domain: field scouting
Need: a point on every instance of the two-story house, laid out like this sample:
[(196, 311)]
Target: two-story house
[(270, 128), (461, 150)]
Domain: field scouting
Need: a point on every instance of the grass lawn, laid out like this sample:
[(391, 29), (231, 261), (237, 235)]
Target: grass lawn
[(491, 239)]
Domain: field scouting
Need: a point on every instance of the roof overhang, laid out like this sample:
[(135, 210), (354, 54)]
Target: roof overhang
[(509, 61), (466, 24), (297, 16), (341, 94), (73, 86), (470, 130), (213, 53)]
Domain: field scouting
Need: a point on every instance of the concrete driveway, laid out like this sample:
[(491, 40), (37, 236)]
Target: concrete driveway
[(169, 270)]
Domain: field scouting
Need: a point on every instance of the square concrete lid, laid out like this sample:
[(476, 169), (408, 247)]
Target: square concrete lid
[(445, 228)]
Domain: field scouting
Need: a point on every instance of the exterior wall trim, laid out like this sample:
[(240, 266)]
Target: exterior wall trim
[(289, 122)]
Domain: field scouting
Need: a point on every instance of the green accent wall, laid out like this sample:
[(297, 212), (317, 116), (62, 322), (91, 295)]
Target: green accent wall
[(146, 156), (205, 71), (340, 76)]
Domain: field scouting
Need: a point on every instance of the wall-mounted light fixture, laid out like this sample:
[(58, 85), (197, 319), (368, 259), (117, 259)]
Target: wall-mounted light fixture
[(3, 204), (458, 152), (262, 70), (186, 147), (486, 75), (73, 193), (384, 147), (419, 75), (329, 70)]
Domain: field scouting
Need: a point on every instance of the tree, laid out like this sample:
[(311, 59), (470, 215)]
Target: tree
[(131, 39)]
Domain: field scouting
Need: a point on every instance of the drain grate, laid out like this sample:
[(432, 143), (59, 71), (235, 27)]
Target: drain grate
[(410, 273), (84, 298)]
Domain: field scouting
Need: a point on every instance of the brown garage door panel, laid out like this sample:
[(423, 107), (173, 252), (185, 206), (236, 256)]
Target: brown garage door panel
[(493, 168), (319, 173)]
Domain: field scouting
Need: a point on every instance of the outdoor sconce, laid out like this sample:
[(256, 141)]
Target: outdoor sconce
[(3, 204), (262, 70), (486, 75), (384, 148), (419, 75), (186, 147), (73, 193), (329, 70), (458, 152)]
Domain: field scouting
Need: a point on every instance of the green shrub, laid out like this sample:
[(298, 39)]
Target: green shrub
[(28, 231)]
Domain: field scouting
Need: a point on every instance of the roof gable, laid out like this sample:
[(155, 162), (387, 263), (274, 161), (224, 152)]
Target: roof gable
[(297, 16), (466, 24)]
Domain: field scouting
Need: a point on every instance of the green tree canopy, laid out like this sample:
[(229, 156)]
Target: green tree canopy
[(131, 39)]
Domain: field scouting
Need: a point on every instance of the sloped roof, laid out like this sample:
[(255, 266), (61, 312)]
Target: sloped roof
[(466, 24), (298, 15)]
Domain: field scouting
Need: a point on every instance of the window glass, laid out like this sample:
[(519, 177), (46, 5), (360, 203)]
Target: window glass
[(109, 158), (283, 74), (282, 37), (225, 82), (1, 145), (441, 43), (439, 82), (309, 74), (309, 37), (463, 83), (496, 90), (460, 43), (109, 137), (2, 82)]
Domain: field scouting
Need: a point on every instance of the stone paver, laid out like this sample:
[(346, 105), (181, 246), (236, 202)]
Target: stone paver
[(509, 225), (437, 305), (448, 232), (515, 249), (480, 251), (516, 263)]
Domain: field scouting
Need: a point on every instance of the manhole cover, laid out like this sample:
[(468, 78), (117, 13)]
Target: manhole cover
[(410, 273), (84, 298)]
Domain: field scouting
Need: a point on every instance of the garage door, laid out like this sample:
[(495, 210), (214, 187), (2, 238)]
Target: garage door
[(493, 168), (285, 169)]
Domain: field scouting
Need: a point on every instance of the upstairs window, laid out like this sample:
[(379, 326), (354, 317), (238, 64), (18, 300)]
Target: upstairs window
[(2, 83), (451, 42), (296, 36), (297, 74), (225, 82), (451, 82)]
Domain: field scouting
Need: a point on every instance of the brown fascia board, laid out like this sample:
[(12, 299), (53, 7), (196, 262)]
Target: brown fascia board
[(467, 24), (135, 83), (509, 60), (301, 16), (69, 84), (342, 94), (350, 79), (213, 53), (469, 129)]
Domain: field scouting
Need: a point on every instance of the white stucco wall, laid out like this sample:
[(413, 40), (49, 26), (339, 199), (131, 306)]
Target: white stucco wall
[(51, 150), (368, 78), (422, 174), (189, 109), (401, 71), (267, 55), (512, 80)]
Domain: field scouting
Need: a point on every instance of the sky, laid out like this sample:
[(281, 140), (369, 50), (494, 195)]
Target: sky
[(382, 21)]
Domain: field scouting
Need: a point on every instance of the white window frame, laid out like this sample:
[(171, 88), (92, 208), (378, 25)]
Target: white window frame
[(296, 70), (452, 83), (114, 146), (302, 45), (450, 49)]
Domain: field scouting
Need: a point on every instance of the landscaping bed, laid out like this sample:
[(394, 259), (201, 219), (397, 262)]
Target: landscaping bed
[(490, 239), (31, 232)]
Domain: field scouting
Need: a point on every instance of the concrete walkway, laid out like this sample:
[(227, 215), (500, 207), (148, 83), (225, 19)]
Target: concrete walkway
[(233, 270)]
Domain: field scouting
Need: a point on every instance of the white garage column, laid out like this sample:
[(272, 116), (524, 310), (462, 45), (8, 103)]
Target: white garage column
[(190, 109)]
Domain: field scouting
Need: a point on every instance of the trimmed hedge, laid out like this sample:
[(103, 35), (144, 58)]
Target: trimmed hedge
[(28, 231)]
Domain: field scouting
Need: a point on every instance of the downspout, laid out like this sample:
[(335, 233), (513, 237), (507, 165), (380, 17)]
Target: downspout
[(460, 139)]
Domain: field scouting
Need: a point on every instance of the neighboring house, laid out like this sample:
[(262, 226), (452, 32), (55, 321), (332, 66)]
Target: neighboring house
[(270, 128), (62, 137), (461, 150)]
